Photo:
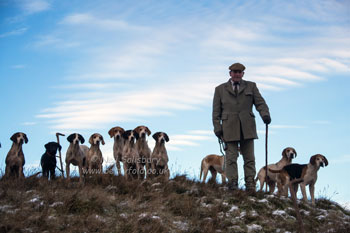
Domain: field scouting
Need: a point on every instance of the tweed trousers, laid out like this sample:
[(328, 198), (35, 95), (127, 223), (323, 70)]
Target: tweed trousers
[(247, 151)]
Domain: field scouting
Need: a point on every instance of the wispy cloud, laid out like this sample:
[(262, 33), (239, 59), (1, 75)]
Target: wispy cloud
[(34, 6), (90, 21), (16, 32), (18, 66), (29, 123), (341, 159)]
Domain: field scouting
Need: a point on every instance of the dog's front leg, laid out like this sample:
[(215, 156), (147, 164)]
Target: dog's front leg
[(167, 172), (312, 193), (80, 174), (20, 172), (126, 171), (67, 171)]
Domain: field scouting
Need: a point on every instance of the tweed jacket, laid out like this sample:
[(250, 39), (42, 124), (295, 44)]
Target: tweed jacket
[(233, 113)]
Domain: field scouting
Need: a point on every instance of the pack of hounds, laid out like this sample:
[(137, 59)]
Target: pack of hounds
[(130, 149), (283, 173)]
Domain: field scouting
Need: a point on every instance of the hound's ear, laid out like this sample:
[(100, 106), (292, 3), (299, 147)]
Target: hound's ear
[(156, 135), (110, 132), (71, 137), (166, 137), (103, 141), (81, 139), (91, 141), (14, 137), (284, 152), (25, 138), (136, 135), (325, 160), (313, 159), (148, 131), (126, 134), (295, 154), (137, 129)]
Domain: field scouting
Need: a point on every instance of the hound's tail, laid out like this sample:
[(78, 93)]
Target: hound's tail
[(200, 176), (275, 171)]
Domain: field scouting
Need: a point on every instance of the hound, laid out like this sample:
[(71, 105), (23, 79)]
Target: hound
[(288, 154), (48, 160), (15, 157), (143, 148), (94, 157), (159, 156), (76, 154), (117, 134), (306, 173), (214, 164), (131, 158)]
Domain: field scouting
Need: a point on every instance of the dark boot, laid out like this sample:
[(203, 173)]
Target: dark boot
[(232, 186)]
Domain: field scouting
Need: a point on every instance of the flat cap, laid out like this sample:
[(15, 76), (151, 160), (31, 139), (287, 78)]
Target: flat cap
[(237, 66)]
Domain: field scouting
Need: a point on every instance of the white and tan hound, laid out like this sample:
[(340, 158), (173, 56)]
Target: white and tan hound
[(143, 148), (76, 154), (15, 157), (214, 164), (306, 173), (94, 157), (159, 156), (131, 158), (288, 154), (117, 134)]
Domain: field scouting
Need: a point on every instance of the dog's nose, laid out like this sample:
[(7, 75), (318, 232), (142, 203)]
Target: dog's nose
[(322, 164)]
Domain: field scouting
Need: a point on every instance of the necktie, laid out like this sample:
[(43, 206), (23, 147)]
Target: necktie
[(236, 87)]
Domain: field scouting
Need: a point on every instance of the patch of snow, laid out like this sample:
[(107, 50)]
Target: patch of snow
[(35, 199), (123, 215), (254, 228), (225, 203), (56, 204), (156, 184), (263, 201), (233, 208), (253, 213), (142, 215), (279, 212), (183, 226)]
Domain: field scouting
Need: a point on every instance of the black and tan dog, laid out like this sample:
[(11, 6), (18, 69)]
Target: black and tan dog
[(48, 160), (306, 173), (15, 157), (288, 154)]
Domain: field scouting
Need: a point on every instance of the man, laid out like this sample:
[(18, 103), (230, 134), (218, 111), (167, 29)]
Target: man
[(234, 123)]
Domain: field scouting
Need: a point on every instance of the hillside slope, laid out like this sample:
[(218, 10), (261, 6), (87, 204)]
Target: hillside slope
[(110, 203)]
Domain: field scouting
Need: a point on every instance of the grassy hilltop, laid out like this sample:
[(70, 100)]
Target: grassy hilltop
[(109, 203)]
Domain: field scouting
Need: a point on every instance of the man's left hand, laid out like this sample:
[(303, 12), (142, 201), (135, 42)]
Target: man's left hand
[(267, 119)]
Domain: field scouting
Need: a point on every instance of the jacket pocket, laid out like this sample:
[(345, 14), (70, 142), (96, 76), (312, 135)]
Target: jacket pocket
[(248, 93)]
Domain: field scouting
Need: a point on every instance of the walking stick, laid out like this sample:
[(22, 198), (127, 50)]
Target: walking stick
[(266, 134), (60, 156)]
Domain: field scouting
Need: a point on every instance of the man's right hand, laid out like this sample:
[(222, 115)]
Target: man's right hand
[(218, 134)]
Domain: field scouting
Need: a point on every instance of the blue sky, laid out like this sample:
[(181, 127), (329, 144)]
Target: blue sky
[(87, 66)]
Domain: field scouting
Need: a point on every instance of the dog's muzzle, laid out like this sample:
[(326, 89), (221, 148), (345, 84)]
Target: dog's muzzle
[(321, 164)]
